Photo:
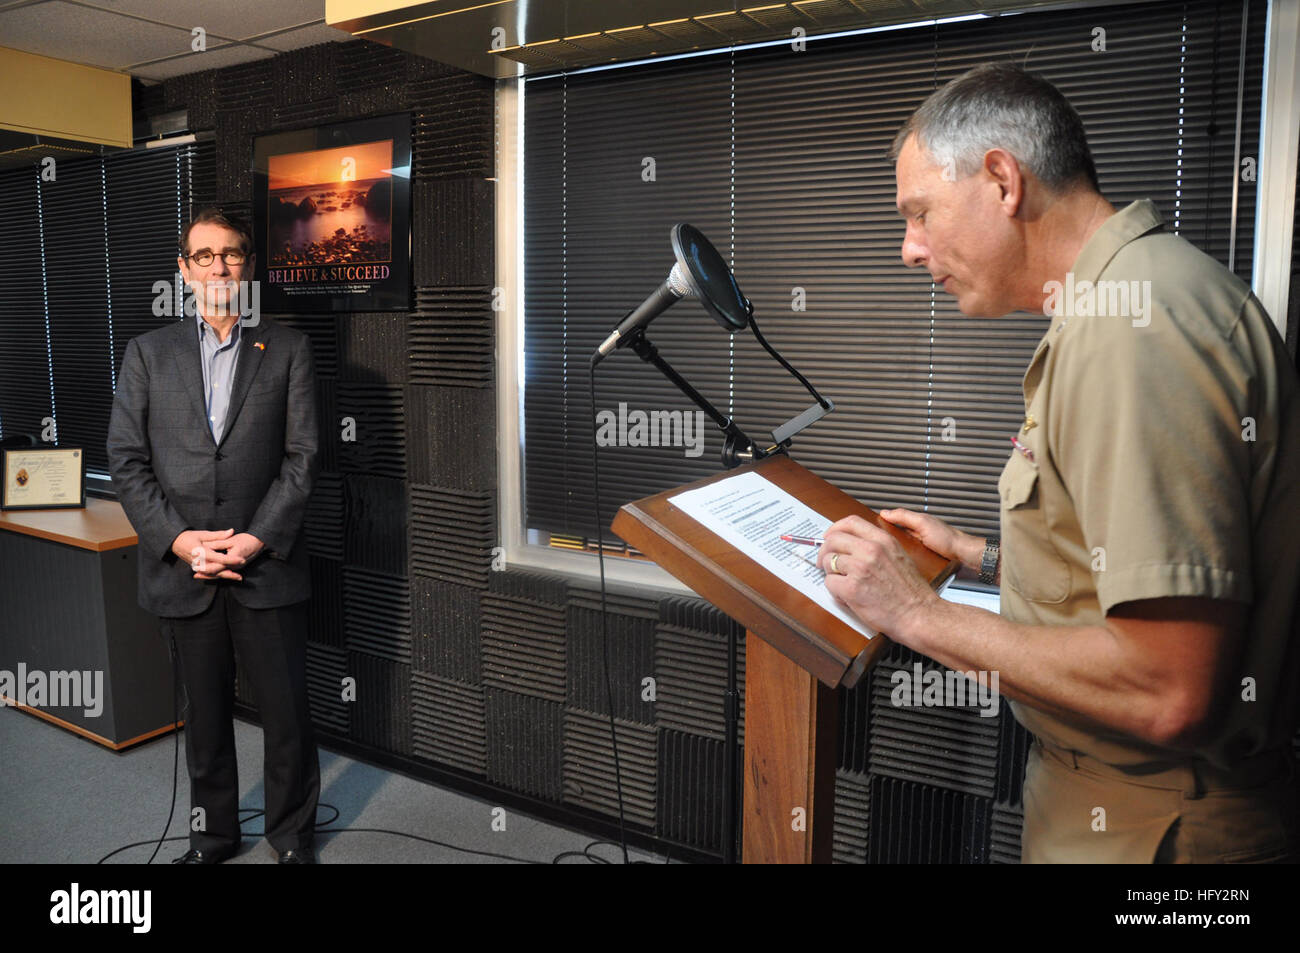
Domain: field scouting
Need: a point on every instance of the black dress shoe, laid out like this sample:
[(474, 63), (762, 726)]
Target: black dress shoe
[(297, 855), (204, 857)]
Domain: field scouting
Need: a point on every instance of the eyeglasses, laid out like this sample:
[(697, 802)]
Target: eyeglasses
[(205, 258)]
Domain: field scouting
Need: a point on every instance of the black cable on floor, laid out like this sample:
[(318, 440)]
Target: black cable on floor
[(604, 610)]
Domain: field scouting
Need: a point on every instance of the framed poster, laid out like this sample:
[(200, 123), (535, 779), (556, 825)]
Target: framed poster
[(47, 478), (332, 216)]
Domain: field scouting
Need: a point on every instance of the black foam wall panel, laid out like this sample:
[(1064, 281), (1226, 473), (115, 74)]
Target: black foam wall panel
[(377, 444), (918, 824), (524, 741), (323, 525), (445, 629), (589, 779), (450, 337), (377, 613), (955, 748), (376, 508), (372, 348), (852, 817), (327, 666), (381, 714), (449, 722), (452, 534), (325, 612), (631, 639), (453, 437), (690, 808), (452, 228)]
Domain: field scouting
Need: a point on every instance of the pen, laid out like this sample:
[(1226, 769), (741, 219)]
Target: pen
[(805, 540)]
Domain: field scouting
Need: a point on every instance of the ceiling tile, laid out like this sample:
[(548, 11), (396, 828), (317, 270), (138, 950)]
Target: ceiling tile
[(68, 31)]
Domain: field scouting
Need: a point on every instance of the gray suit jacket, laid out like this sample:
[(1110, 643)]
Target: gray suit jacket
[(170, 475)]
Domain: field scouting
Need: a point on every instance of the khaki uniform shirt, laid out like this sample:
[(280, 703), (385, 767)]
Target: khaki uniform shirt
[(1161, 458)]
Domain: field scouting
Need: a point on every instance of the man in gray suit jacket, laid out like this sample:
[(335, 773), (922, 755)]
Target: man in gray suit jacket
[(212, 448)]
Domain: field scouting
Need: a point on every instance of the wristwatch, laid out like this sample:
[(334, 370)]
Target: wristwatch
[(989, 561)]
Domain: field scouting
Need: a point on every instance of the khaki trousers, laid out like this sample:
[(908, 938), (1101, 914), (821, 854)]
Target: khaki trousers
[(1080, 810)]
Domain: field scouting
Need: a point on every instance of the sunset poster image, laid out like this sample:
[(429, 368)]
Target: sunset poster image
[(333, 206), (333, 216)]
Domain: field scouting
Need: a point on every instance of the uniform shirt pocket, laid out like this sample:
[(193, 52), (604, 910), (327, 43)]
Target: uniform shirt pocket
[(1031, 564)]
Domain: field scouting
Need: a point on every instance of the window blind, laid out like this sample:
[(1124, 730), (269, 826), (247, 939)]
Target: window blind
[(780, 158)]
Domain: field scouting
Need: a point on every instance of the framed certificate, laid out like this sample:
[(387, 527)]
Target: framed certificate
[(43, 479)]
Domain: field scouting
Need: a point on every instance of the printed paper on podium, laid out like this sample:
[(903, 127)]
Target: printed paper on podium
[(751, 513)]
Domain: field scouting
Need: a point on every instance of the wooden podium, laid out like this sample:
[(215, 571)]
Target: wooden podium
[(797, 656)]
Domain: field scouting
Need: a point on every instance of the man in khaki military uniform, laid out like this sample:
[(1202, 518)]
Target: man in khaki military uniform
[(1150, 544)]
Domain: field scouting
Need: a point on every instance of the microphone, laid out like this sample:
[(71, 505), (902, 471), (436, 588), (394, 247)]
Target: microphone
[(675, 287)]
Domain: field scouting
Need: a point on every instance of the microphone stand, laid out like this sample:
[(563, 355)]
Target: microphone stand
[(737, 447)]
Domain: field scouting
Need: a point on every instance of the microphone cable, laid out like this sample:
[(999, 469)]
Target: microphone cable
[(324, 828), (604, 610)]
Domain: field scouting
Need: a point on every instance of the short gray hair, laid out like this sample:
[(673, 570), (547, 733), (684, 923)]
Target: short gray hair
[(1000, 106)]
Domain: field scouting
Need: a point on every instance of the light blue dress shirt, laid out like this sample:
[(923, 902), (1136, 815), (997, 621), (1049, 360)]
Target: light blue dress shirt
[(218, 360)]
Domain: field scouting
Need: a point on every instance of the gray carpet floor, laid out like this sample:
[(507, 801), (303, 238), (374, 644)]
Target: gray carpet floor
[(64, 799)]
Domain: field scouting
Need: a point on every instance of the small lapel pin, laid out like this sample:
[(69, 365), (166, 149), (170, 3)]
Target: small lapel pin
[(259, 345)]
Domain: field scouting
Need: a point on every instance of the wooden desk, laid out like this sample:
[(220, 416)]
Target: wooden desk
[(68, 604)]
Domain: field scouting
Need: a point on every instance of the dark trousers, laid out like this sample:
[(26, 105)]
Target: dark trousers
[(272, 648)]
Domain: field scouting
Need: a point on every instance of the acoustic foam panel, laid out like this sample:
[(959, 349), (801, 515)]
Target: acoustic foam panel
[(306, 115), (363, 64), (1007, 826), (452, 126), (326, 668), (235, 129), (918, 824), (690, 790), (537, 586), (306, 76), (379, 414), (448, 722), (452, 534), (323, 523), (245, 87), (588, 762), (855, 727), (377, 614), (376, 509), (381, 714), (691, 678), (372, 348), (631, 647), (373, 101), (954, 748), (325, 611), (524, 740), (452, 437), (445, 630), (452, 232), (194, 93), (852, 828), (450, 337), (327, 406), (523, 645), (1013, 756), (322, 330)]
